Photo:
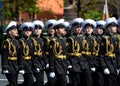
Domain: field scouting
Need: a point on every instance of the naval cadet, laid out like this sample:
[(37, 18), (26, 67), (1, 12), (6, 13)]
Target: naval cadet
[(57, 53), (107, 53), (10, 54), (26, 54), (38, 57)]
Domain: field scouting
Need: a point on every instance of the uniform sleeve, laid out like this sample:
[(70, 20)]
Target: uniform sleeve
[(67, 51), (4, 56), (101, 53), (20, 59), (45, 42), (44, 47), (51, 56)]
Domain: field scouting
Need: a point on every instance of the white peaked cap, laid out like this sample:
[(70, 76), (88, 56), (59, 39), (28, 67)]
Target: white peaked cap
[(66, 24), (12, 23), (51, 21), (89, 21), (38, 22), (60, 21), (110, 20), (77, 20), (101, 22), (27, 24)]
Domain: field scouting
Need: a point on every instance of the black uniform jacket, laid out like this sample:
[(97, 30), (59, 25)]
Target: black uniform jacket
[(10, 55), (89, 50), (108, 48), (38, 57), (75, 45), (26, 54), (57, 53)]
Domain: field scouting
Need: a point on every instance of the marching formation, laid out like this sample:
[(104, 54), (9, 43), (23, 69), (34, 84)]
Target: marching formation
[(76, 53)]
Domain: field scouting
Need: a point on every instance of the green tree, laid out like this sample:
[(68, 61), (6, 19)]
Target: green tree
[(92, 9), (11, 8)]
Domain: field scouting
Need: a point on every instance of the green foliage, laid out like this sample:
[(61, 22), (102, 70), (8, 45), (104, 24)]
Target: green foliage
[(10, 9), (93, 14), (92, 10)]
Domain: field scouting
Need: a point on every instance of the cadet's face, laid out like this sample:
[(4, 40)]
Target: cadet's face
[(113, 29), (51, 31), (89, 30), (99, 31), (14, 32), (61, 31), (37, 31), (76, 29), (27, 32)]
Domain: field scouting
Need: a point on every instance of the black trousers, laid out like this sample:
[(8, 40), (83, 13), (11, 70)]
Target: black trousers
[(86, 78), (39, 78), (61, 80), (110, 80), (28, 80), (51, 81), (118, 80), (98, 79), (12, 79), (47, 74), (75, 79)]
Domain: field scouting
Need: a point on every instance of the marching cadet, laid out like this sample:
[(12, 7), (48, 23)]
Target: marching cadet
[(51, 33), (74, 50), (38, 57), (107, 53), (118, 53), (98, 75), (26, 53), (10, 54), (89, 49), (50, 36), (57, 55)]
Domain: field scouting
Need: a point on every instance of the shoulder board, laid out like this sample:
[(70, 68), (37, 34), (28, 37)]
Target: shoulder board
[(105, 36), (70, 38), (8, 40), (5, 41), (21, 40)]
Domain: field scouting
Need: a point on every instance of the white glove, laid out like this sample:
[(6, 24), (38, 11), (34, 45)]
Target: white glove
[(52, 74), (118, 71), (5, 71), (67, 72), (69, 67), (106, 71), (47, 66), (93, 69), (21, 72), (37, 70)]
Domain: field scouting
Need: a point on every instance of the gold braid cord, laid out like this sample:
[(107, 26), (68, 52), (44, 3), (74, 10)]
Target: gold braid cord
[(109, 47), (11, 48), (57, 48), (86, 46), (75, 46), (37, 48), (25, 48), (95, 47)]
